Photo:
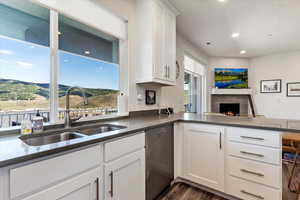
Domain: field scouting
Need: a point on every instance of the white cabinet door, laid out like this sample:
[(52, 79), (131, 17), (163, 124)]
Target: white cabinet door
[(125, 177), (157, 42), (203, 155), (87, 186), (170, 45), (160, 67)]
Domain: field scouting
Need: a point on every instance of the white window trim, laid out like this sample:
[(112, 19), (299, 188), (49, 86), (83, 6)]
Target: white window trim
[(54, 68), (54, 64)]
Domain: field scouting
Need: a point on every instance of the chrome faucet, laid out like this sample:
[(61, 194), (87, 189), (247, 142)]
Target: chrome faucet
[(68, 120)]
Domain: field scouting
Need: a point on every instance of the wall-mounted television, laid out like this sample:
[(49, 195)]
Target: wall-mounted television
[(231, 78)]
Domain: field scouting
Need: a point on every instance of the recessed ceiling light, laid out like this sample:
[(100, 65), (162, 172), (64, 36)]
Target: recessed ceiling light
[(221, 0), (87, 52), (235, 35), (243, 52)]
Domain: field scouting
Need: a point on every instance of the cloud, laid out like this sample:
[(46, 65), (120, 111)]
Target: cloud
[(3, 61), (5, 52), (24, 65)]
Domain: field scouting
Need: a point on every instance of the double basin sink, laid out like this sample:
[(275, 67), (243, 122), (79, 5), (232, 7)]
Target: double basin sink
[(39, 140)]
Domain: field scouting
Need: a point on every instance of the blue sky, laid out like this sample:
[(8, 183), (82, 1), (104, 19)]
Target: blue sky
[(26, 62)]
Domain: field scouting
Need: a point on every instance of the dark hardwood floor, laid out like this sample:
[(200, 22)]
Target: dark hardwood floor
[(182, 191)]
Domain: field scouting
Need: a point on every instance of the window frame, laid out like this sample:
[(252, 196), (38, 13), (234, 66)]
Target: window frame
[(202, 91), (54, 65)]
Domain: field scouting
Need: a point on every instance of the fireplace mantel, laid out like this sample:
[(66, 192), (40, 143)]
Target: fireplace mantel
[(232, 91)]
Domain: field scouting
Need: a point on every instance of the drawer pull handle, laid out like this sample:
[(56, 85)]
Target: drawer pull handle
[(252, 195), (111, 184), (254, 173), (252, 138), (97, 185), (220, 140), (252, 154)]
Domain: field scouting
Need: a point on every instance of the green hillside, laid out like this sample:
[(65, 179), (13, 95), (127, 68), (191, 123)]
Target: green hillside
[(19, 95), (20, 90)]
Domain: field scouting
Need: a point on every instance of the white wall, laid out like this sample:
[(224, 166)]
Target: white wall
[(173, 96), (283, 66)]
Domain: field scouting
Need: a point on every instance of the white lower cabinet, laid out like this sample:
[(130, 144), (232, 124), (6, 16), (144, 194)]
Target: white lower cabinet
[(114, 170), (125, 177), (124, 173), (240, 162), (251, 191), (253, 164), (87, 186), (203, 155)]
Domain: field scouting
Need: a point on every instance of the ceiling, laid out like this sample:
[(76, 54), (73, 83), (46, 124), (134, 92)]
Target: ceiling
[(265, 26)]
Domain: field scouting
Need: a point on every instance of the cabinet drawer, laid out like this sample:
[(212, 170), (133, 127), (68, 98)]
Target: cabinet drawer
[(251, 191), (41, 174), (254, 136), (258, 153), (120, 147), (266, 174)]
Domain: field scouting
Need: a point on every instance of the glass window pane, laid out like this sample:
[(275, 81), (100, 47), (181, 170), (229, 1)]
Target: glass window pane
[(81, 39), (191, 92), (88, 59), (24, 21), (24, 62)]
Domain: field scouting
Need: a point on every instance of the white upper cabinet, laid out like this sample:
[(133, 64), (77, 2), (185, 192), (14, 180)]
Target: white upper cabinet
[(156, 43)]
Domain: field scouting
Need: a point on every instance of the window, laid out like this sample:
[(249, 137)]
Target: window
[(194, 86), (88, 58), (24, 61), (191, 92)]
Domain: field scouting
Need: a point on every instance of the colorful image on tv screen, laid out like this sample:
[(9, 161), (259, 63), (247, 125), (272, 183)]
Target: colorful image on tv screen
[(231, 78)]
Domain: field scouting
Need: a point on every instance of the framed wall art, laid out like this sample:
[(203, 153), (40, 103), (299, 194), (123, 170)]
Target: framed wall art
[(270, 86), (293, 89)]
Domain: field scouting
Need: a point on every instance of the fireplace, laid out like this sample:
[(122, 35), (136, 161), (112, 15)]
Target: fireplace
[(232, 109), (237, 104)]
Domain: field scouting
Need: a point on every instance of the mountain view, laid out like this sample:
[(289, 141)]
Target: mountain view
[(21, 95)]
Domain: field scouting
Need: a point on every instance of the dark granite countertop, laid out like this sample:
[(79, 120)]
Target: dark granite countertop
[(13, 150)]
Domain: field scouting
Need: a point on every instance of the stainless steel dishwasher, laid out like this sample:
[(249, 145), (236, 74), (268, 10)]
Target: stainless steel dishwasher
[(159, 160)]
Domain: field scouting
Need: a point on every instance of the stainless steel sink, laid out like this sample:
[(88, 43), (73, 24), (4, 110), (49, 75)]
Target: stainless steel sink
[(93, 130), (50, 139)]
